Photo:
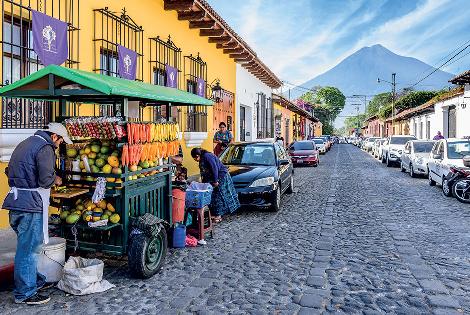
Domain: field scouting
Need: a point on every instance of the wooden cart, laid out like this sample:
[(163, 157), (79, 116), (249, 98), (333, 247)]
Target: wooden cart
[(133, 198)]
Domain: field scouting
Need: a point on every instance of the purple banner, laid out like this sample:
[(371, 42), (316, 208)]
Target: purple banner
[(49, 39), (127, 63), (201, 87), (171, 76)]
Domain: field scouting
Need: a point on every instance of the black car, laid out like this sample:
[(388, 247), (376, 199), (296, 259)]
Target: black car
[(260, 171)]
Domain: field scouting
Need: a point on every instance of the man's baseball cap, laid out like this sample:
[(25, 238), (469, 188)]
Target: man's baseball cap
[(59, 130)]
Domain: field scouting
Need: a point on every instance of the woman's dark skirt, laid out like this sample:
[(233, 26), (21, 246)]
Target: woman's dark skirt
[(224, 197)]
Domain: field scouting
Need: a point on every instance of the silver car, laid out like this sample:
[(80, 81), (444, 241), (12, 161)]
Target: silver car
[(415, 157), (376, 147)]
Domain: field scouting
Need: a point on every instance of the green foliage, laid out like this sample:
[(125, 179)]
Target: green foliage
[(343, 131), (355, 121), (410, 100), (379, 101), (331, 102)]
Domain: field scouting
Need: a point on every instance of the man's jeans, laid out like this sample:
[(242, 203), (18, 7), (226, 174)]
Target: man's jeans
[(28, 228)]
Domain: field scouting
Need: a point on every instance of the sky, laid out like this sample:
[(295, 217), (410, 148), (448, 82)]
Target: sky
[(300, 39)]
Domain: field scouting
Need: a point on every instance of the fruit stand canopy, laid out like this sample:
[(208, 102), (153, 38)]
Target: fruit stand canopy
[(55, 82)]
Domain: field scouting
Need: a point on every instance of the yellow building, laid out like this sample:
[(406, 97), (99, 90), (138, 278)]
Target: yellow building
[(187, 35), (292, 122)]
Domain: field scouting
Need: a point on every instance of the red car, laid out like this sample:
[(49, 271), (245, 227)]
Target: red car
[(304, 152)]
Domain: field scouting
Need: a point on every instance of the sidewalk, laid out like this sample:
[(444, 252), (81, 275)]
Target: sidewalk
[(7, 256)]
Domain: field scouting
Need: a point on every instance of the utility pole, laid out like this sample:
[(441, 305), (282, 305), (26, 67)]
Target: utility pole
[(394, 84)]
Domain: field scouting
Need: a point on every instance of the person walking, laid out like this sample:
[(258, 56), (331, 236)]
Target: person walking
[(31, 174), (222, 138), (224, 196), (439, 136)]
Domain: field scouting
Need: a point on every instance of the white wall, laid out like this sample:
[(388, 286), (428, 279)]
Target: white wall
[(246, 95), (463, 116), (424, 118)]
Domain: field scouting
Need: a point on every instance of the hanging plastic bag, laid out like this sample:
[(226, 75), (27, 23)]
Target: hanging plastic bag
[(83, 276)]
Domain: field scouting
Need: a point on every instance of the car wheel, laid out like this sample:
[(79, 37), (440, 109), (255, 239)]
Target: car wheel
[(290, 189), (382, 159), (431, 181), (276, 203), (402, 168), (412, 171), (446, 190), (389, 164)]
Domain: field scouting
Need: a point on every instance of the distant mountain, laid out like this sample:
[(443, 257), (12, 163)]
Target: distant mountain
[(358, 73)]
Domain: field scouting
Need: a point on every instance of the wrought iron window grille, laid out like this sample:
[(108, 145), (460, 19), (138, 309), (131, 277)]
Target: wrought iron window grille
[(20, 60), (196, 116)]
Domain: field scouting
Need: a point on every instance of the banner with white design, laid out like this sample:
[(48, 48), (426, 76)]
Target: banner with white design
[(127, 63), (49, 39)]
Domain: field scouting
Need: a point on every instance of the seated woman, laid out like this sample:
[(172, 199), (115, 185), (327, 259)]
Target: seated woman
[(224, 196)]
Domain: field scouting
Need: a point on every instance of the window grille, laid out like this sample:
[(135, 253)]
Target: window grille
[(264, 117), (196, 116), (163, 53), (19, 59), (111, 30)]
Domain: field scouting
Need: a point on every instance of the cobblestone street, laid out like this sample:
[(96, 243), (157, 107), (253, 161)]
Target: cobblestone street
[(355, 237)]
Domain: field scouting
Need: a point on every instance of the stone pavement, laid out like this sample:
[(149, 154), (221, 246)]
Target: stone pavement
[(356, 237)]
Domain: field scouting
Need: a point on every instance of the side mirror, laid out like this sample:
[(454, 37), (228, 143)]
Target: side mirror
[(283, 162), (437, 156)]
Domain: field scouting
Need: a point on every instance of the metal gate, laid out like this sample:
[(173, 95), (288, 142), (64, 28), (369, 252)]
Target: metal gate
[(452, 126), (242, 123)]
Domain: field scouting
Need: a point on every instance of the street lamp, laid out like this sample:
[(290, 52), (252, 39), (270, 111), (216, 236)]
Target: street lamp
[(217, 91), (394, 84)]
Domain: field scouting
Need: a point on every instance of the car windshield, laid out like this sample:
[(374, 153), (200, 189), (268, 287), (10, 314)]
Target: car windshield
[(457, 150), (319, 141), (249, 154), (400, 140), (298, 146), (423, 147)]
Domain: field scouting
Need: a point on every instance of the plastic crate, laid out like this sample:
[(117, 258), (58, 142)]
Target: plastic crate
[(198, 195)]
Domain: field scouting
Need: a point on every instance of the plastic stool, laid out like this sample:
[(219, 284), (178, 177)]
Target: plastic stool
[(201, 224)]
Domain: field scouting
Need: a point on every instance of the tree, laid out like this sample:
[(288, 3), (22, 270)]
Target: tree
[(355, 121), (410, 100), (378, 101), (329, 102)]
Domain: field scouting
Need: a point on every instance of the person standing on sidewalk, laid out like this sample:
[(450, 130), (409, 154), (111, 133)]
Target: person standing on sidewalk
[(439, 136), (31, 174), (222, 138)]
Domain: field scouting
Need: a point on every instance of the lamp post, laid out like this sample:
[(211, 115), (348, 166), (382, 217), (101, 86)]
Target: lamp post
[(394, 84)]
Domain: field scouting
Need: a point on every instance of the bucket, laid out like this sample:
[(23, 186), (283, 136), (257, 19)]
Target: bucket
[(52, 259), (179, 198), (179, 236)]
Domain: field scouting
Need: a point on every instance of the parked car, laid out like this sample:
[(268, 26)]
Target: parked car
[(445, 154), (304, 153), (342, 140), (415, 156), (376, 147), (367, 146), (261, 173), (328, 144), (320, 144), (393, 149)]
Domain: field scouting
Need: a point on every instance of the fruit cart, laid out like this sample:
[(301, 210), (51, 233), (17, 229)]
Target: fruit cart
[(131, 155)]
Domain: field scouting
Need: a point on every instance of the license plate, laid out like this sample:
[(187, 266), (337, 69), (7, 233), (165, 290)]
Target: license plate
[(300, 161)]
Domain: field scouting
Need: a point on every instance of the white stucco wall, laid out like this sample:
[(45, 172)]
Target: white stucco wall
[(462, 114), (424, 118), (246, 95)]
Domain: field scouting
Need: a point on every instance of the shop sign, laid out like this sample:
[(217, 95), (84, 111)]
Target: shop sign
[(127, 62), (171, 76), (201, 87), (49, 39)]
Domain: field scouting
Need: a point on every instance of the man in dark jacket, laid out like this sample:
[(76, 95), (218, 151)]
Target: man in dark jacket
[(31, 174)]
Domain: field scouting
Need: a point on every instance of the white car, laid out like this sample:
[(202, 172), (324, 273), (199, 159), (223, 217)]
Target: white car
[(414, 159), (446, 153), (369, 143), (320, 144), (393, 149)]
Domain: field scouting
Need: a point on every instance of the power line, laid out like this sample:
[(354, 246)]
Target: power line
[(445, 63)]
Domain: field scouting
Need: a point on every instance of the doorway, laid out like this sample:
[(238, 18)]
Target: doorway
[(452, 122)]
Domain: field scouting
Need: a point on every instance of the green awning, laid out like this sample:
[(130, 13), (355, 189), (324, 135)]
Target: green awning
[(55, 82)]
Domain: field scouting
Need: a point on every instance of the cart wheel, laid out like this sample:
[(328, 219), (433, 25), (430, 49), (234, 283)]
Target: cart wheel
[(146, 255)]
